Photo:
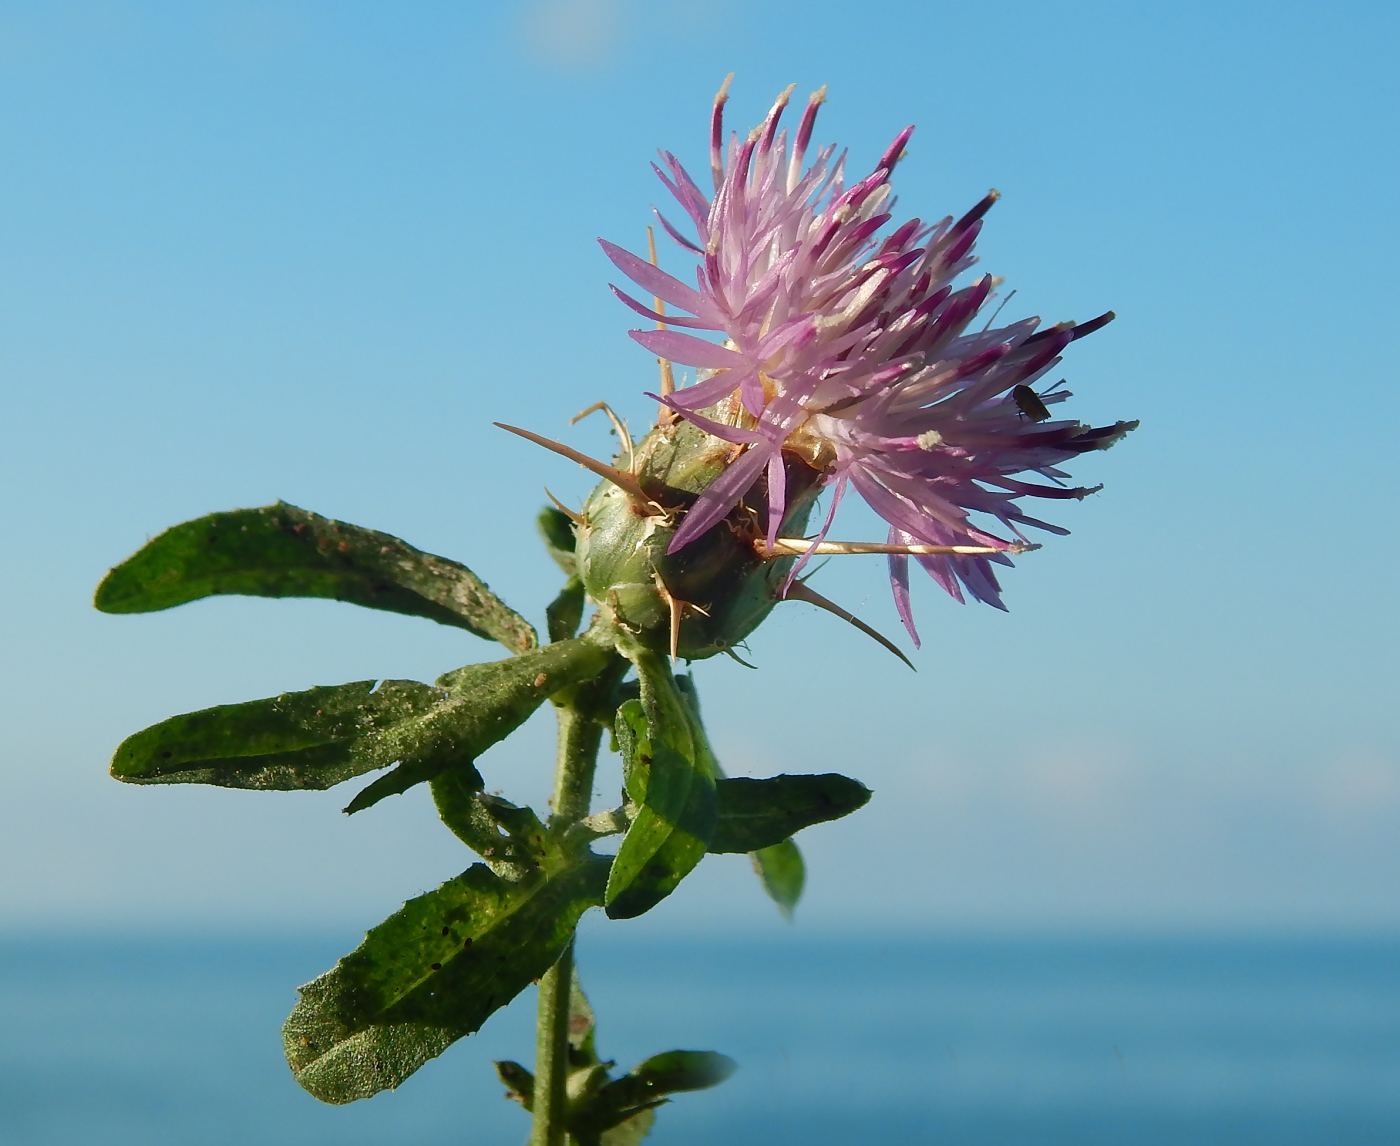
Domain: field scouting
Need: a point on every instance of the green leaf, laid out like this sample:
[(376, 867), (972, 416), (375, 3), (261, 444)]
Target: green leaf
[(564, 613), (519, 1081), (679, 1070), (757, 814), (671, 829), (629, 1133), (779, 865), (617, 1112), (311, 739), (436, 970), (753, 814), (469, 817), (583, 1027), (643, 1089), (634, 743), (558, 533), (318, 738), (485, 704), (782, 873), (282, 551), (497, 830)]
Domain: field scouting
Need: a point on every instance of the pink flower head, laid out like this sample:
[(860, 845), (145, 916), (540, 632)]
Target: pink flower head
[(848, 345)]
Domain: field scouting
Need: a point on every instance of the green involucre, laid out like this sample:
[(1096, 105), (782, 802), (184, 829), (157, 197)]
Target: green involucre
[(725, 587)]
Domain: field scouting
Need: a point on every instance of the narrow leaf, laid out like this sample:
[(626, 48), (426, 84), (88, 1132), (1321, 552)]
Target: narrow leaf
[(583, 1027), (460, 807), (311, 739), (629, 1133), (679, 1070), (485, 703), (645, 1088), (435, 971), (503, 834), (564, 613), (322, 736), (282, 551), (669, 834), (595, 1124), (519, 1081), (408, 775), (779, 866), (757, 814), (783, 874), (634, 743), (620, 1112), (558, 533)]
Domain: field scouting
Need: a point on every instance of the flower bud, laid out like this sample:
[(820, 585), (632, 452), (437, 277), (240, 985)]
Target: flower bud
[(720, 584)]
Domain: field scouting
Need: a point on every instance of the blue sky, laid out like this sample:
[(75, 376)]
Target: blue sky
[(312, 250)]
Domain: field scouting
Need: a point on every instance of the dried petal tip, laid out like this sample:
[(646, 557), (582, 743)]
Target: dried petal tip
[(983, 206), (1083, 328)]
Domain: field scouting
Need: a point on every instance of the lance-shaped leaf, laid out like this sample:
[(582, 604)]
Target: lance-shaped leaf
[(629, 1133), (671, 829), (558, 533), (318, 738), (587, 1073), (603, 1111), (311, 739), (583, 1027), (519, 1081), (758, 814), (632, 740), (752, 814), (783, 874), (563, 614), (642, 1089), (675, 1072), (435, 971), (468, 813), (779, 866), (497, 830), (282, 551), (485, 703)]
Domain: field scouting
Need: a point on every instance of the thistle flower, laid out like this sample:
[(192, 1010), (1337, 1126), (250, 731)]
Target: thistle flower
[(851, 350)]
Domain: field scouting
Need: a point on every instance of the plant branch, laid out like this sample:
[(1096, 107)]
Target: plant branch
[(552, 1053), (580, 736)]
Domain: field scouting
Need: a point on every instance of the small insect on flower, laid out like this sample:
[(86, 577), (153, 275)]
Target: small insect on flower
[(848, 345), (1029, 403)]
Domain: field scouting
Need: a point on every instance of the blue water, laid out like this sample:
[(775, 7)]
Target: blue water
[(954, 1043)]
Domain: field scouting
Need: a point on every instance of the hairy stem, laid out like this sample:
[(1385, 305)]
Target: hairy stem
[(580, 736), (579, 739), (552, 1052)]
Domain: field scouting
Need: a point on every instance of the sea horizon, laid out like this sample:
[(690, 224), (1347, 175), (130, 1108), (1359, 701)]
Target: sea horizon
[(971, 1040)]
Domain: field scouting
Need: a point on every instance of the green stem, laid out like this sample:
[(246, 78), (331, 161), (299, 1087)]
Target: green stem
[(552, 1052), (580, 736)]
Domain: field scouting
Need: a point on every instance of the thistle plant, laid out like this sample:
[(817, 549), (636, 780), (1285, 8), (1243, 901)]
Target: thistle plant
[(850, 359)]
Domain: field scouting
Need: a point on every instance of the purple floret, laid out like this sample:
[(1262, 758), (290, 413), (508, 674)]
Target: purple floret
[(852, 350)]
